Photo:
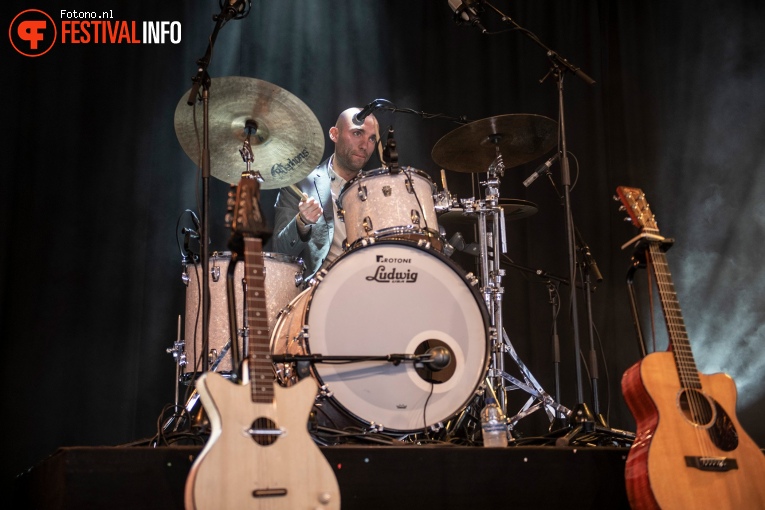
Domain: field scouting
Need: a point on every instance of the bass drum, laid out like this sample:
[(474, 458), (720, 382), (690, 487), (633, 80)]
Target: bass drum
[(390, 297)]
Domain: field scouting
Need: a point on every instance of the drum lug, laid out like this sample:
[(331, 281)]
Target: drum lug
[(386, 191), (318, 277), (324, 392), (409, 184), (362, 193), (472, 279), (185, 278), (367, 224), (215, 273), (437, 426), (415, 215), (341, 214)]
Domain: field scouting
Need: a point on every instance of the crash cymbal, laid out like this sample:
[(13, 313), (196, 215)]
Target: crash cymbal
[(520, 137), (513, 209), (287, 145)]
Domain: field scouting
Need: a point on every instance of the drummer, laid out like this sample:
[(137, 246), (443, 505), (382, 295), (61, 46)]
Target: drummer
[(305, 226)]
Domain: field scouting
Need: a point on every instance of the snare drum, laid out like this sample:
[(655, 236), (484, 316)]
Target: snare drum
[(381, 204), (283, 281), (390, 297)]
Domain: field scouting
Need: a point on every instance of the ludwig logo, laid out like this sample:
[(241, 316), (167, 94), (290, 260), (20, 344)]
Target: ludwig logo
[(393, 276), (32, 33)]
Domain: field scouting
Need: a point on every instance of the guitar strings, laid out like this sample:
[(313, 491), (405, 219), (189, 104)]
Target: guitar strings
[(686, 366)]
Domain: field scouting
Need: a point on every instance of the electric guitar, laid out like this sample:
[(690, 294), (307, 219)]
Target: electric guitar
[(690, 450), (259, 454)]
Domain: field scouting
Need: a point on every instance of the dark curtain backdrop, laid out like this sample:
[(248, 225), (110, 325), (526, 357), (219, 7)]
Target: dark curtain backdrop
[(95, 184)]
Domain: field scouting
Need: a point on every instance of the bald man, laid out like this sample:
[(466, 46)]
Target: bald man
[(305, 226)]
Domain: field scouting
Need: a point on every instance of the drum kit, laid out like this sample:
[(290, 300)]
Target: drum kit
[(401, 340)]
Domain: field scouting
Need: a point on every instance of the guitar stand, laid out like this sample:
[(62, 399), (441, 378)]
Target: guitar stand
[(638, 261)]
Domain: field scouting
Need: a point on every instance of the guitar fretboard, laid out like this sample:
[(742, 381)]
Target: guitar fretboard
[(678, 336), (259, 352)]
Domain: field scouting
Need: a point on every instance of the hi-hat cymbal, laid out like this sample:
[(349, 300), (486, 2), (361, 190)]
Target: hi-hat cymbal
[(286, 146), (512, 208), (472, 148)]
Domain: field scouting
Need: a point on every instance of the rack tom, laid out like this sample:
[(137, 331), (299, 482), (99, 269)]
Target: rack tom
[(386, 204)]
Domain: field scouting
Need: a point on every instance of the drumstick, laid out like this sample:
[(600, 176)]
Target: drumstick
[(298, 191)]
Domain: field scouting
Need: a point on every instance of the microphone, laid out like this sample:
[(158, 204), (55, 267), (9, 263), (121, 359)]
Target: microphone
[(544, 167), (365, 112), (439, 358), (235, 9), (465, 13), (588, 258)]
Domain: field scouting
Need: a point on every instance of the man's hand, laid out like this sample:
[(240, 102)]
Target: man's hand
[(309, 210)]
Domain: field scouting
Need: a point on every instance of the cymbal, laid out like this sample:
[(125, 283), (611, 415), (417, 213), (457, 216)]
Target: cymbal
[(520, 137), (513, 209), (286, 146)]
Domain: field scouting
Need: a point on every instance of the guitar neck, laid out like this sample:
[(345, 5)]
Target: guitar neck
[(678, 336), (259, 353)]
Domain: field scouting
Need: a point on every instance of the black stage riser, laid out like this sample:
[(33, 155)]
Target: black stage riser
[(383, 477)]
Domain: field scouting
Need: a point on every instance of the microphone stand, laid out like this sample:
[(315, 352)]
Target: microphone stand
[(581, 419), (202, 80), (304, 361), (589, 267)]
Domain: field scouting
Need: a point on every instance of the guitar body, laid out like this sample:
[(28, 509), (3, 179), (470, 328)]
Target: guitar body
[(657, 475), (291, 473)]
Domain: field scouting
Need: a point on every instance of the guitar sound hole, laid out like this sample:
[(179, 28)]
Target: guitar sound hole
[(696, 408), (264, 431)]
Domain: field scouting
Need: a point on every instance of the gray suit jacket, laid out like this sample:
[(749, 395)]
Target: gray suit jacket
[(286, 239)]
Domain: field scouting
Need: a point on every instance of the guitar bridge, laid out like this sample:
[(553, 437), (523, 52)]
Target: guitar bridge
[(711, 463)]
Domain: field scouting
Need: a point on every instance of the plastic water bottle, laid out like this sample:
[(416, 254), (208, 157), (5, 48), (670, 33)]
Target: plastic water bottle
[(493, 424)]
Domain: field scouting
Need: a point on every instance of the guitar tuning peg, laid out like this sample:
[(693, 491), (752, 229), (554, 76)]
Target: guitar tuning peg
[(615, 198), (622, 208), (627, 219)]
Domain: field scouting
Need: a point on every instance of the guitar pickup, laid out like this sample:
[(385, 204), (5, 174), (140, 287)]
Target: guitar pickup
[(268, 493), (711, 463)]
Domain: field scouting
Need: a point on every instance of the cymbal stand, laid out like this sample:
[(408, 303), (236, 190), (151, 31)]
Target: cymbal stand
[(492, 244), (178, 352), (202, 80)]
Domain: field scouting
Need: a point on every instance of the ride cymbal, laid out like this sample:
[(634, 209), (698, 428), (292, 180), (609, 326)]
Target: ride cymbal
[(520, 138), (286, 146)]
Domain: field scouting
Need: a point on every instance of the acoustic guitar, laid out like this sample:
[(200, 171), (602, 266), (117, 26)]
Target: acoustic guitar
[(259, 454), (690, 451)]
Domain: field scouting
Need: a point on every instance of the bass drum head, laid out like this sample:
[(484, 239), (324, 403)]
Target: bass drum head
[(393, 297)]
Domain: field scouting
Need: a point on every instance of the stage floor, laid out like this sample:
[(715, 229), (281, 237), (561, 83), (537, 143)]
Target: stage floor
[(370, 477)]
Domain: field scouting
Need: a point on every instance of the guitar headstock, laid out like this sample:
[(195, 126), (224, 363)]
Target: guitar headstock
[(637, 207), (244, 214)]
